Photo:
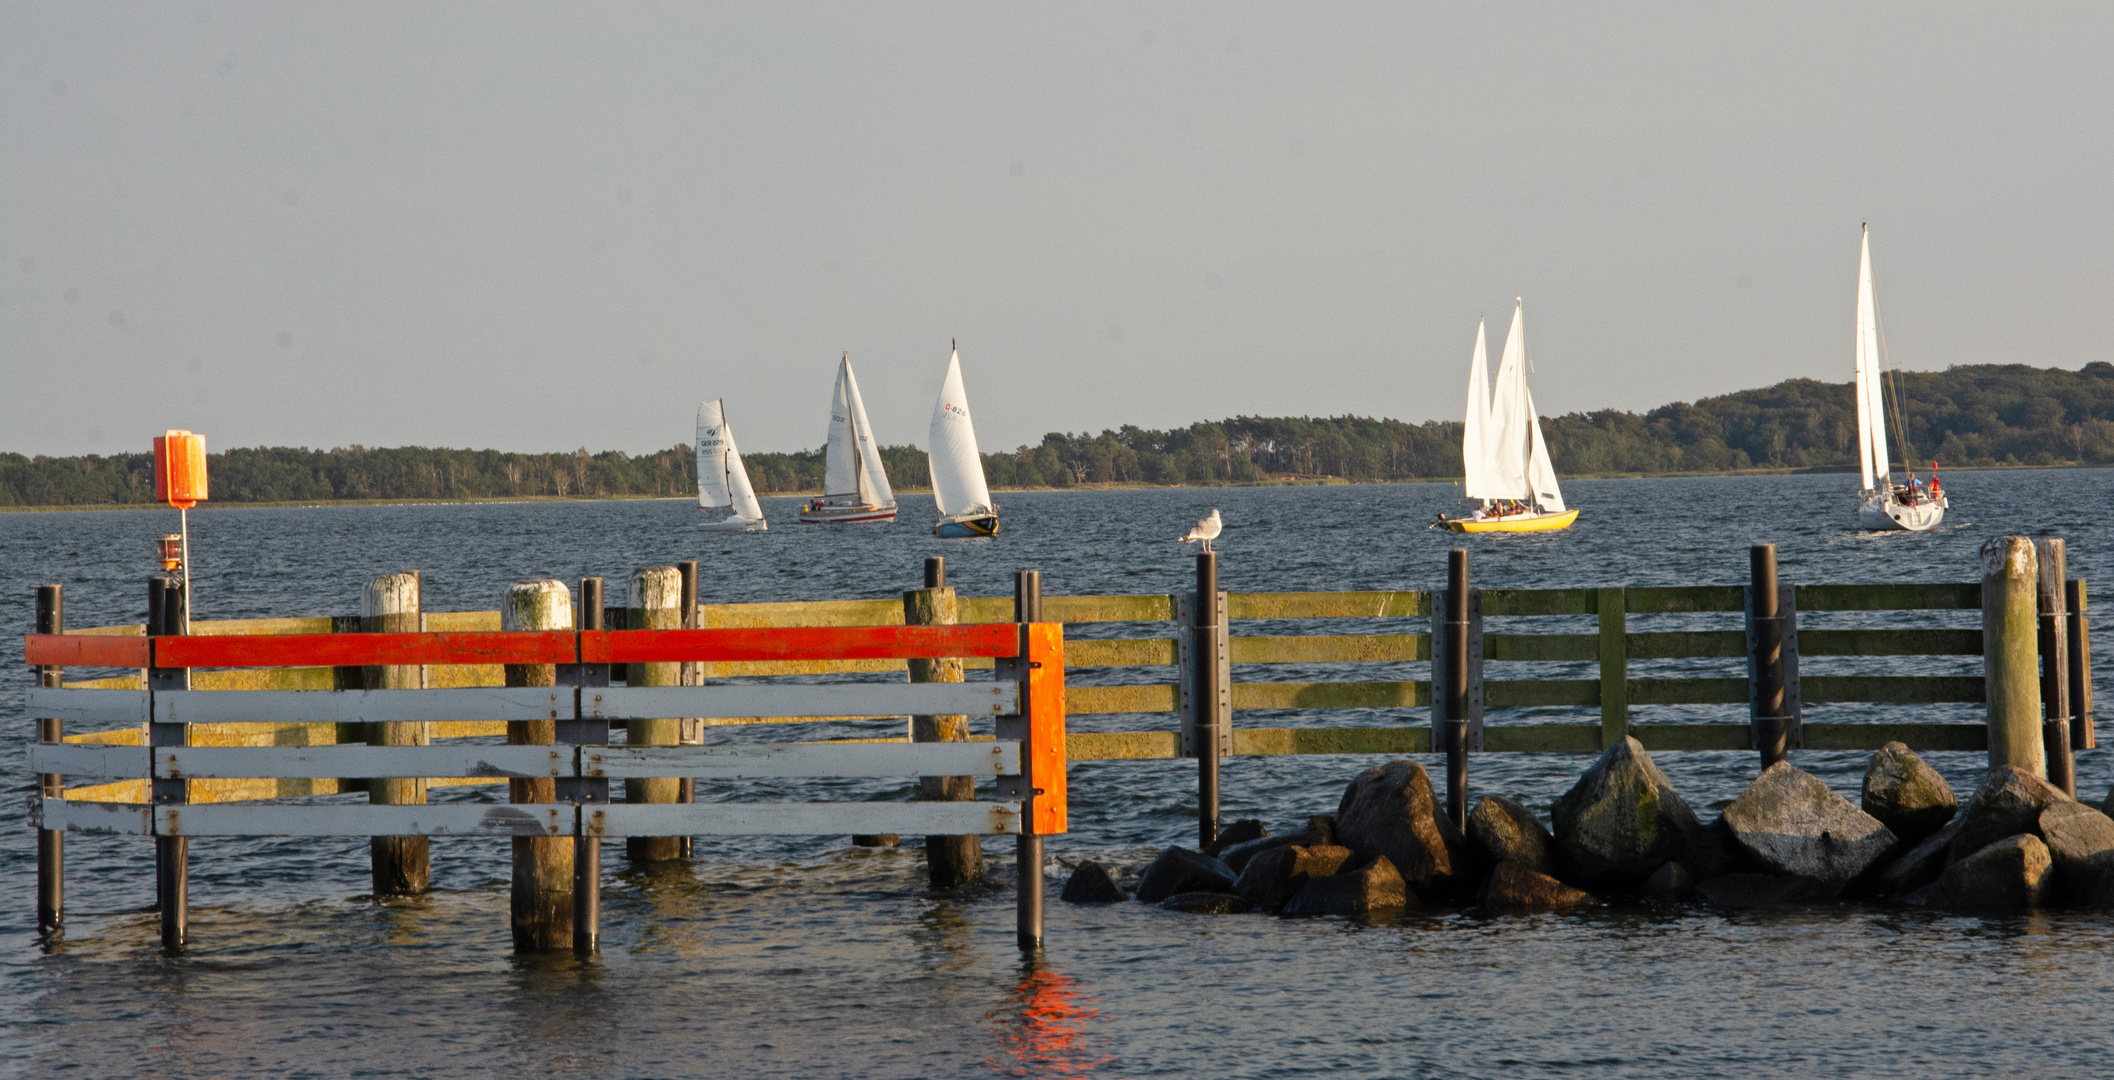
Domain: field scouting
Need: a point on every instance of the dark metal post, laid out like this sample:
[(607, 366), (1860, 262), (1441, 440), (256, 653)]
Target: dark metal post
[(2055, 666), (1207, 693), (2079, 652), (1771, 726), (168, 617), (51, 843), (686, 788), (1457, 686), (1027, 608), (587, 850), (935, 571)]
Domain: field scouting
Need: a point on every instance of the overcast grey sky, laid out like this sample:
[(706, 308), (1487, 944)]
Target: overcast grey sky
[(538, 226)]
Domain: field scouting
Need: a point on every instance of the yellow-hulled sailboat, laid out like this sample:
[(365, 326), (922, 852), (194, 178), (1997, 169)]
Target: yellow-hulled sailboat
[(1505, 463)]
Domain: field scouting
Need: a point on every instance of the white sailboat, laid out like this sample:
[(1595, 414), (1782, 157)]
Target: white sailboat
[(958, 484), (1504, 461), (1883, 504), (721, 480), (854, 485)]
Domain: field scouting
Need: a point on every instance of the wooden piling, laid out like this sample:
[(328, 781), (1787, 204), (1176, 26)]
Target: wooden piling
[(1456, 661), (2053, 638), (2011, 653), (2079, 653), (543, 865), (1206, 673), (168, 615), (656, 604), (400, 865), (950, 861), (587, 850), (1771, 725), (51, 843), (1028, 854)]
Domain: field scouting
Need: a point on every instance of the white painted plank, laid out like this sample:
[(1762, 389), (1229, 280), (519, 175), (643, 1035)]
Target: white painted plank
[(801, 819), (847, 759), (76, 816), (438, 819), (325, 762), (121, 707), (88, 759), (363, 706), (839, 699)]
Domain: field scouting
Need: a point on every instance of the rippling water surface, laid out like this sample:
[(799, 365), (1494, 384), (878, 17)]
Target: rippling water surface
[(808, 957)]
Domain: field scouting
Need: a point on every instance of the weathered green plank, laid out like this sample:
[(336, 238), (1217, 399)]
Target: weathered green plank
[(302, 678), (1540, 739), (1324, 605), (1683, 645), (1540, 602), (1910, 596), (1890, 641), (459, 621), (1331, 695), (1323, 649), (1545, 647), (1076, 609), (1120, 652), (246, 627), (1925, 736), (1660, 600), (1513, 692), (1890, 689), (1120, 745), (1152, 697), (1358, 740), (1690, 692), (804, 613)]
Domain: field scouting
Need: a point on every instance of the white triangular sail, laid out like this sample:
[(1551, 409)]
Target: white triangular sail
[(1871, 412), (840, 459), (1509, 417), (721, 479), (873, 486), (1541, 472), (1476, 466), (957, 469)]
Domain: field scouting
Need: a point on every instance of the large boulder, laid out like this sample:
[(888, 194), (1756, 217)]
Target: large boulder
[(1792, 824), (1090, 884), (1670, 884), (1272, 878), (1239, 832), (1749, 892), (1514, 888), (1504, 831), (1389, 812), (1180, 870), (1207, 903), (2008, 803), (1320, 832), (2079, 839), (1906, 794), (2092, 884), (1371, 890), (1919, 865), (1711, 852), (2011, 875), (1621, 820)]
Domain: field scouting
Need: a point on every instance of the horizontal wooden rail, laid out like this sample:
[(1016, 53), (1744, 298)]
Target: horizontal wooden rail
[(800, 643), (1525, 738), (800, 819), (355, 650), (841, 759)]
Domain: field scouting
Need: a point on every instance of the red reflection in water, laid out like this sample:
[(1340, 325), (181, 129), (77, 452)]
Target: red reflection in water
[(1042, 1031)]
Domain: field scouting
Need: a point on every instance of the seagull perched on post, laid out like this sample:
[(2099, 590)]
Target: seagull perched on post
[(1205, 529)]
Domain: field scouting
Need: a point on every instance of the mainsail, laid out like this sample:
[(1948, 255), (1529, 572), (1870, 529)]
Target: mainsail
[(873, 480), (957, 469), (840, 461), (1477, 480), (721, 479), (1510, 417), (1871, 414)]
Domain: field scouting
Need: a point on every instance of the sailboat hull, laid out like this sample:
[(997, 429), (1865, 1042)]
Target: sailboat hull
[(736, 524), (812, 514), (967, 528), (1513, 523), (1883, 512)]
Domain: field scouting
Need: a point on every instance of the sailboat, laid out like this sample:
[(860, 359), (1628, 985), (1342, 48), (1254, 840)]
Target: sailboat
[(1883, 504), (854, 486), (721, 481), (1505, 463), (958, 484)]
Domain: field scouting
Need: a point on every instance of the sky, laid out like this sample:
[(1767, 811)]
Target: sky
[(537, 226)]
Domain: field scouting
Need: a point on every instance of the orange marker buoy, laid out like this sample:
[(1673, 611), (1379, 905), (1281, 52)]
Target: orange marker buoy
[(180, 481)]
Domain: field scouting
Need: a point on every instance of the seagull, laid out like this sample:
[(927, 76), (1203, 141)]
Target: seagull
[(1205, 529)]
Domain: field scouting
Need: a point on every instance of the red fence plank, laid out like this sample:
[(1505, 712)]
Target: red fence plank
[(84, 650), (353, 650), (798, 643), (1045, 765)]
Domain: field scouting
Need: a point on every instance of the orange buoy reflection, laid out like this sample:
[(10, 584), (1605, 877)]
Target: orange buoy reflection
[(1042, 1030)]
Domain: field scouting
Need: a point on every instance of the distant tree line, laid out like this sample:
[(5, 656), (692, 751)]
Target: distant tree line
[(1964, 416)]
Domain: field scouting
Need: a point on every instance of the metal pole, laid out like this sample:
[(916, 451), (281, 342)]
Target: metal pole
[(51, 843), (2079, 652), (1027, 608), (1207, 693), (1457, 686), (183, 518), (686, 787), (587, 850), (935, 571), (2055, 666), (171, 853), (1771, 726)]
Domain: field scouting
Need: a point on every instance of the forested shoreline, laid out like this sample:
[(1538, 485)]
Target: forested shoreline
[(1977, 415)]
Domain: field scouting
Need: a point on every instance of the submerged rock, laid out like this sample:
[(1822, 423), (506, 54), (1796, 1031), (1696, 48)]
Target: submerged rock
[(1090, 884), (1207, 903), (1791, 823), (2011, 874), (1272, 878), (1503, 831), (1180, 870), (1374, 889), (1621, 820), (1389, 812), (1320, 832), (1239, 832), (2077, 837), (1748, 892), (1669, 885), (1906, 794), (1919, 865), (1516, 889), (2008, 803)]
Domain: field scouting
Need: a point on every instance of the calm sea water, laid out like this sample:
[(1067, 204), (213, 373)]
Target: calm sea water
[(807, 957)]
